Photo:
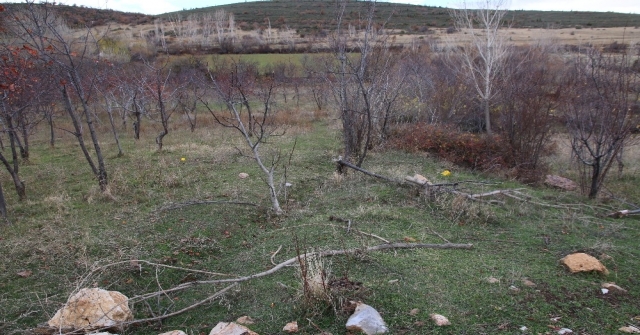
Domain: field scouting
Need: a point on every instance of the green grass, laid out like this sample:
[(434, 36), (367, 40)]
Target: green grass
[(67, 228)]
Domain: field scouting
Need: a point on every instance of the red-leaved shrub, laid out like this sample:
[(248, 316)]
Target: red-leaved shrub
[(475, 151)]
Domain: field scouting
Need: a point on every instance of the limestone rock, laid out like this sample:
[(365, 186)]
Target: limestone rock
[(173, 332), (560, 182), (630, 330), (243, 175), (93, 308), (440, 320), (230, 328), (581, 262), (613, 288), (291, 327), (493, 280), (245, 320), (367, 320)]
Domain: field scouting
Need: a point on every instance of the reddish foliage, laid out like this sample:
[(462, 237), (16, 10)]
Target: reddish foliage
[(475, 151)]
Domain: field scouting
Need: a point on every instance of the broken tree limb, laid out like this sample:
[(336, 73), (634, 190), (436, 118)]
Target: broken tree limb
[(623, 213), (342, 162), (173, 206), (324, 254)]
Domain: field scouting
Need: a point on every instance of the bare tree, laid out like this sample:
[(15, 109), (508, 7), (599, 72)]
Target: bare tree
[(598, 111), (229, 87), (69, 59), (364, 84), (484, 55)]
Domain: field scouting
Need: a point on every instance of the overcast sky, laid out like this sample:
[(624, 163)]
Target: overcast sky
[(164, 6)]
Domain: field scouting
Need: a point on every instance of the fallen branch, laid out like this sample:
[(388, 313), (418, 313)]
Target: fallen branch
[(324, 254), (623, 213), (179, 205), (357, 168)]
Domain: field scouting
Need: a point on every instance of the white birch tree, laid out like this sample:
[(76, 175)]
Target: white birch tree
[(484, 55)]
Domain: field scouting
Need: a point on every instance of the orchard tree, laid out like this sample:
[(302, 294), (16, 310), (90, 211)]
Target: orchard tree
[(69, 60), (365, 82), (237, 86), (599, 113)]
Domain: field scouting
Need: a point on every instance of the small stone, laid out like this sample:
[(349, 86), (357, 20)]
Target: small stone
[(565, 331), (528, 283), (243, 175), (230, 328), (523, 328), (514, 288), (581, 262), (440, 320), (492, 280), (173, 332), (604, 290), (25, 274), (367, 320), (291, 327), (630, 330), (414, 312), (613, 288), (245, 320), (420, 179)]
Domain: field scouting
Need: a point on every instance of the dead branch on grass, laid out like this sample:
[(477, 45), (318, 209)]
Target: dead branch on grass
[(173, 206), (235, 281), (430, 189), (623, 213)]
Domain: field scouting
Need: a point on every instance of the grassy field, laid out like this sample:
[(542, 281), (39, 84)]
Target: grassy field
[(69, 235)]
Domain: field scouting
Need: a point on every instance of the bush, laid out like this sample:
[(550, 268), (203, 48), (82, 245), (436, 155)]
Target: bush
[(474, 151)]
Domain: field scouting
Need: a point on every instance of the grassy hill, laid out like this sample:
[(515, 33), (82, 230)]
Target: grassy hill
[(308, 16)]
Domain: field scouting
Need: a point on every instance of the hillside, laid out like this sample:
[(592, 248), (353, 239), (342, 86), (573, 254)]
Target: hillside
[(310, 16)]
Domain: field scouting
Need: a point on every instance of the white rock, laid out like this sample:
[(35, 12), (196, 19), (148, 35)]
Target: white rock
[(565, 331), (291, 327), (230, 328), (613, 288), (440, 320), (173, 332), (523, 328), (93, 308), (245, 320), (630, 330), (243, 175), (367, 320), (604, 291)]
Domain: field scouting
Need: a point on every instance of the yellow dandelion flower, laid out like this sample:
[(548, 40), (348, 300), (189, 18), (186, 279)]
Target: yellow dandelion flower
[(183, 159), (446, 173)]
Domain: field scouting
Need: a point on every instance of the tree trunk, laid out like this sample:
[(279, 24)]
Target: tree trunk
[(595, 177), (20, 188), (113, 128), (52, 134), (3, 206)]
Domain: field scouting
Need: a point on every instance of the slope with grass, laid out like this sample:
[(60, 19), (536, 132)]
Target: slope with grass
[(66, 234)]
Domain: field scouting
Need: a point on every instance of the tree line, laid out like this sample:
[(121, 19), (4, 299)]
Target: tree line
[(516, 96)]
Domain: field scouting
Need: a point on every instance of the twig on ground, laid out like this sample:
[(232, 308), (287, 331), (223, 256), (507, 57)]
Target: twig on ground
[(274, 255), (179, 205)]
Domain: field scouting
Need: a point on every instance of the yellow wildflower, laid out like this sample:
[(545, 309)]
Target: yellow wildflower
[(446, 173), (183, 159)]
